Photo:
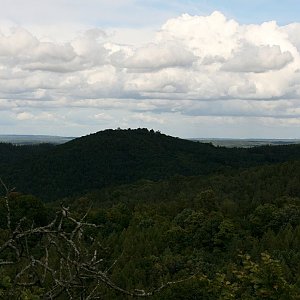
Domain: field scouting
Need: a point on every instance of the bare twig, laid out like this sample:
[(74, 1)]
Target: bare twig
[(7, 191), (75, 269)]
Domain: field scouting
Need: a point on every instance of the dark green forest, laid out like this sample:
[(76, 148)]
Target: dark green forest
[(123, 214)]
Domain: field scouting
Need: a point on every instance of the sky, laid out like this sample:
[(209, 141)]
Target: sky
[(224, 69)]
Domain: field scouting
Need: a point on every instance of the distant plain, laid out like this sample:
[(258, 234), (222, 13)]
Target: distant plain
[(222, 142)]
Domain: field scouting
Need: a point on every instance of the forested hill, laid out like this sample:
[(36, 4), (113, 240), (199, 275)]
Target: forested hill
[(231, 233), (112, 157)]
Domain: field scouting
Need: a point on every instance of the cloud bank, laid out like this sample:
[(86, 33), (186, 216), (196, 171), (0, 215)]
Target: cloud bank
[(195, 67)]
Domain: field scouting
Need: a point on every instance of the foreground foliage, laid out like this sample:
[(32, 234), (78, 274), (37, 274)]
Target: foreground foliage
[(219, 237), (58, 259)]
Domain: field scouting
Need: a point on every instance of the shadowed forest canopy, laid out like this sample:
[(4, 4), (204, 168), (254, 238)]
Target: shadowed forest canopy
[(122, 156), (138, 213)]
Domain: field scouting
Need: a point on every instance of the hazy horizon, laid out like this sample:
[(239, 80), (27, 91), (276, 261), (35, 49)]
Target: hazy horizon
[(188, 137)]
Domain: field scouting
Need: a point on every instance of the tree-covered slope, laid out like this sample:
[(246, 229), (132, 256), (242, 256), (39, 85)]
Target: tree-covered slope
[(234, 235), (122, 156), (242, 230)]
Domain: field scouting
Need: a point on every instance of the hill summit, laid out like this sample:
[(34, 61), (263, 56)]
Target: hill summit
[(112, 157)]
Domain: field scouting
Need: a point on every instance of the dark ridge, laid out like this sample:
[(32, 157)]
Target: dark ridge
[(112, 157)]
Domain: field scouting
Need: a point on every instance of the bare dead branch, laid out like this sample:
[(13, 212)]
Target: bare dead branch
[(74, 265), (7, 191)]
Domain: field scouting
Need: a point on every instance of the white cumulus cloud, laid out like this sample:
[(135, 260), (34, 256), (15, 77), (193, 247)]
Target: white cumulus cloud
[(258, 59), (194, 66), (159, 56)]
